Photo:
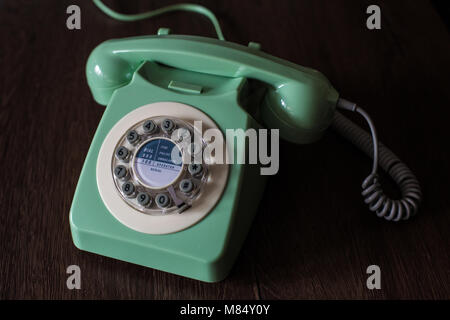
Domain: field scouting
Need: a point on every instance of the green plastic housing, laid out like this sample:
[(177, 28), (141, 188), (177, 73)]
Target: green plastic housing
[(129, 73)]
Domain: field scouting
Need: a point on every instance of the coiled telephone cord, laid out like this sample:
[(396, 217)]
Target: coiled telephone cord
[(374, 196)]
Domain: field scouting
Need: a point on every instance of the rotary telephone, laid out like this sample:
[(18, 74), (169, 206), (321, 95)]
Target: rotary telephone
[(140, 197)]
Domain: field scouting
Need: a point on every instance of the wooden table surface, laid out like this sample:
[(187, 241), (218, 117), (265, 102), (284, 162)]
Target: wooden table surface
[(313, 238)]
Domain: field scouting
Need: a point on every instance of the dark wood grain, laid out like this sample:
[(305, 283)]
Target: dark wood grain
[(313, 238)]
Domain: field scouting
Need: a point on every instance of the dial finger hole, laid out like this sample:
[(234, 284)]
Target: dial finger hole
[(162, 200), (128, 189), (186, 185), (149, 126), (120, 172), (143, 199), (195, 169), (132, 136), (122, 153), (167, 125)]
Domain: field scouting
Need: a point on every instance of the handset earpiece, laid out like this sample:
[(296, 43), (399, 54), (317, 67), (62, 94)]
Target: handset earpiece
[(302, 111)]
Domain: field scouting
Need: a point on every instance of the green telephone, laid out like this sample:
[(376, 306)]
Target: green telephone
[(136, 202)]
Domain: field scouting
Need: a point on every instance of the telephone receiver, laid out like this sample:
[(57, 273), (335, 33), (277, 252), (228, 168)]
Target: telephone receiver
[(135, 203), (299, 101)]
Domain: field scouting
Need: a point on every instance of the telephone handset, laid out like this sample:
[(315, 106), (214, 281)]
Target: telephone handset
[(299, 101), (143, 196)]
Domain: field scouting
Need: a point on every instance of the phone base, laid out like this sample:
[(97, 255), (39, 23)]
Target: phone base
[(206, 250)]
